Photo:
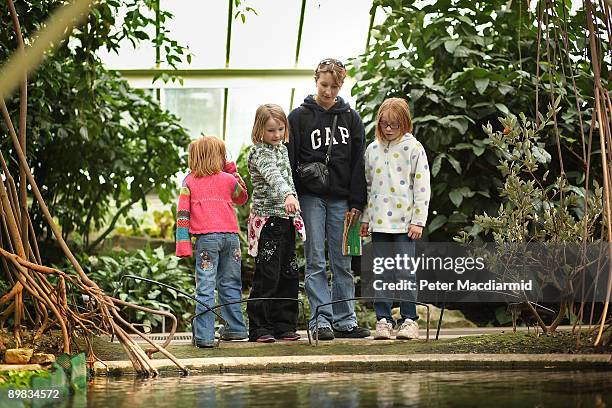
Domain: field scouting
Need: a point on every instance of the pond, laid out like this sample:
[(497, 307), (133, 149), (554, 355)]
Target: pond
[(508, 388), (481, 388)]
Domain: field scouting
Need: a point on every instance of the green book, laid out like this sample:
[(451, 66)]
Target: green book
[(351, 240)]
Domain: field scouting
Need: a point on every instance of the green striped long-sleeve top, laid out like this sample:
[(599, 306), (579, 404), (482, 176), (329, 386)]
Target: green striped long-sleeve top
[(271, 178)]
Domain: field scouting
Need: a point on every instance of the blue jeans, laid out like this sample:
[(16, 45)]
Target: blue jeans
[(324, 219), (401, 244), (218, 265)]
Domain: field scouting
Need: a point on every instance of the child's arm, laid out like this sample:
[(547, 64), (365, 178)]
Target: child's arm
[(240, 195), (183, 240), (365, 218), (422, 188)]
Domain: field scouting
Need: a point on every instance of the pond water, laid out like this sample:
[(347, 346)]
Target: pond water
[(483, 388), (488, 388)]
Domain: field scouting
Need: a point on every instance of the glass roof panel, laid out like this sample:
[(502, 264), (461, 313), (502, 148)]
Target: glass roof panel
[(336, 29), (202, 26), (268, 39), (128, 57)]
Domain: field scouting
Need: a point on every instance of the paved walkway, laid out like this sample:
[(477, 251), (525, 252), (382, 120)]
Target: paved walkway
[(185, 337)]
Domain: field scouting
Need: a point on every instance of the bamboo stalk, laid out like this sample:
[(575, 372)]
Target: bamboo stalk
[(57, 27), (23, 111), (602, 137)]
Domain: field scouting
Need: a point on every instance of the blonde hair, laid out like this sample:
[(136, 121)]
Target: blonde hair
[(206, 156), (262, 115), (336, 67), (398, 109)]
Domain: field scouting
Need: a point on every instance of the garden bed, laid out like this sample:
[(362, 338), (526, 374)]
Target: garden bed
[(504, 343)]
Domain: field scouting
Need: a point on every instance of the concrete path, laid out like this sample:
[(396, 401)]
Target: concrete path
[(185, 337)]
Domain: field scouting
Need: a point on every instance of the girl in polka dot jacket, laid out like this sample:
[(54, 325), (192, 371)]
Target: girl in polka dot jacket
[(397, 178)]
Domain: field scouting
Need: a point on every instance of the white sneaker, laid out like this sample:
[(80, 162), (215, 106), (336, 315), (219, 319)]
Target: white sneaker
[(407, 331), (383, 330)]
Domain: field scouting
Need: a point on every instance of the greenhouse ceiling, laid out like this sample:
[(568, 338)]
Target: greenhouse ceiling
[(238, 64)]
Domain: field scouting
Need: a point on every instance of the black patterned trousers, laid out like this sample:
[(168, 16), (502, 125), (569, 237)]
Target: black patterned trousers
[(276, 275)]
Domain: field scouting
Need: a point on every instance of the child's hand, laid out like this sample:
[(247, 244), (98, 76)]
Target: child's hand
[(230, 167), (240, 181), (356, 215), (415, 231), (363, 232), (292, 205)]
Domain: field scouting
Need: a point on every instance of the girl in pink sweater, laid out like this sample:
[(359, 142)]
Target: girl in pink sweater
[(205, 211)]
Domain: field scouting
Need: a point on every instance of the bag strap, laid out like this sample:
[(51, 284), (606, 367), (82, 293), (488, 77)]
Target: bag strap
[(331, 142)]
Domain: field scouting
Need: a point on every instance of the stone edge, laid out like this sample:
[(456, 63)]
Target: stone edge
[(370, 362)]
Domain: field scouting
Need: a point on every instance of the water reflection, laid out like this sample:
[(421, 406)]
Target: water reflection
[(377, 389)]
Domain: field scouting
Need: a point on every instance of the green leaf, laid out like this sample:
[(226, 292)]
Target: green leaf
[(141, 35), (541, 155), (415, 94), (462, 52), (437, 164), (456, 197), (463, 146), (84, 133), (451, 45), (154, 294), (504, 89), (457, 218), (436, 223), (502, 108), (426, 118), (478, 150), (453, 162), (481, 84)]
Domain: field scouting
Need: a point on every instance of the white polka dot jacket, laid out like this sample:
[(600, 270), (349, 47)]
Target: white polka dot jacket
[(397, 178)]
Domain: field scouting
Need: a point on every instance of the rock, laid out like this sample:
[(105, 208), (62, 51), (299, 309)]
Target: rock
[(451, 318), (18, 356), (42, 358)]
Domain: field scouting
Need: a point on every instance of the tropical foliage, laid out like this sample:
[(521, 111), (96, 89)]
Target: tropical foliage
[(462, 64), (96, 145), (109, 269)]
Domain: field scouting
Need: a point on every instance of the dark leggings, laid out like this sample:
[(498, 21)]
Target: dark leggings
[(276, 275)]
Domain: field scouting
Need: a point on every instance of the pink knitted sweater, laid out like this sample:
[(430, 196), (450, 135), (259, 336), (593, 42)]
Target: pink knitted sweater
[(205, 206)]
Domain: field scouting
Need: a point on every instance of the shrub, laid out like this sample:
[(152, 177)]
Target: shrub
[(108, 269)]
